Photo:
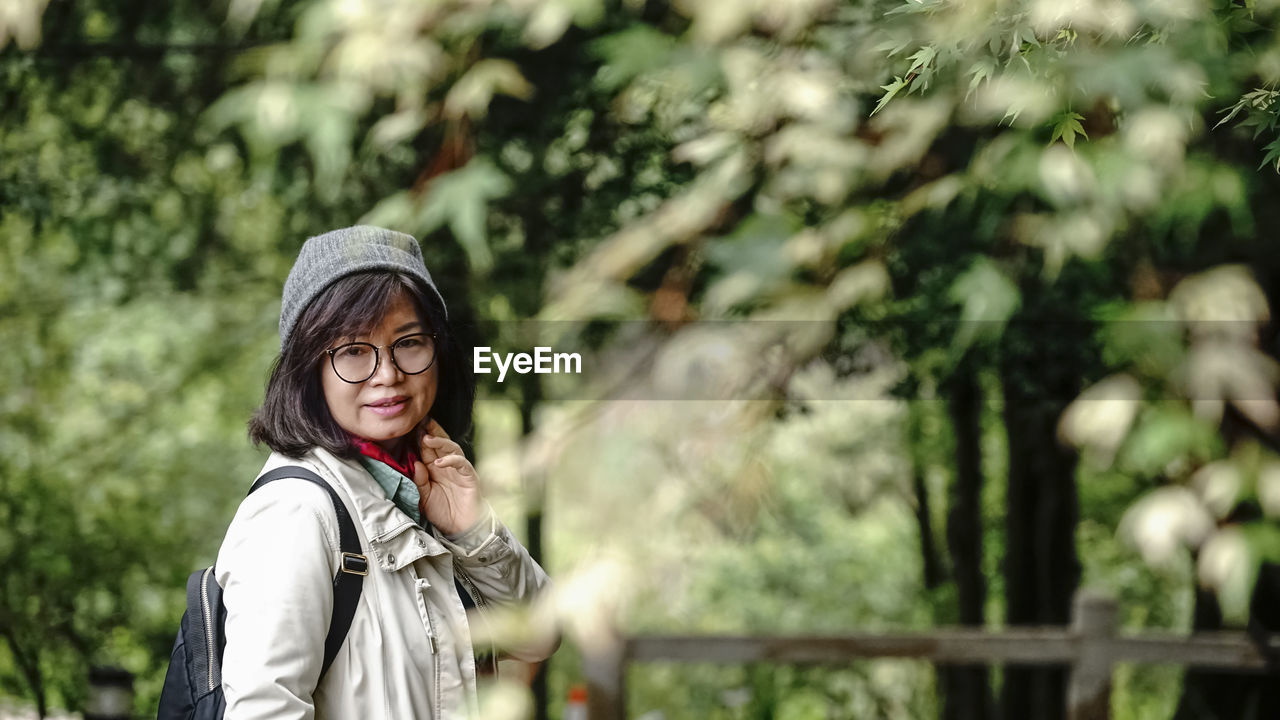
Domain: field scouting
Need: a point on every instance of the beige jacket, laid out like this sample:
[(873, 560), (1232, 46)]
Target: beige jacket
[(408, 653)]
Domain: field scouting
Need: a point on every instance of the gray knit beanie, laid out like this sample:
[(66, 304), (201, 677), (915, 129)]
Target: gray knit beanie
[(327, 258)]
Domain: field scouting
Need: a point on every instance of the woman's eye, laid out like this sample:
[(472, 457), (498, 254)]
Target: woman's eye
[(353, 351), (410, 343)]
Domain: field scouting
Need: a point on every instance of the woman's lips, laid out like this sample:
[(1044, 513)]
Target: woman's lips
[(389, 407)]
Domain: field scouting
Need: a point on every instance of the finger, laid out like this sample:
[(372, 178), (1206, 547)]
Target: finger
[(434, 428), (457, 462), (442, 446), (421, 474), (428, 451)]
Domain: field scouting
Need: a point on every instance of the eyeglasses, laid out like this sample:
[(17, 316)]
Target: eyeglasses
[(358, 361)]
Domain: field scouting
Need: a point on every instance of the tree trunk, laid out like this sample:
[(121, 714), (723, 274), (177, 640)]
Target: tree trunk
[(933, 572), (29, 664), (931, 563), (1222, 695), (967, 690), (535, 499), (1209, 694), (1042, 570)]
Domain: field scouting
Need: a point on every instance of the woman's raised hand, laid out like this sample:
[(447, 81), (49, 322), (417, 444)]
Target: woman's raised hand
[(447, 483)]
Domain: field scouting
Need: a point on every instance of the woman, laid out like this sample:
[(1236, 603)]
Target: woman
[(367, 391)]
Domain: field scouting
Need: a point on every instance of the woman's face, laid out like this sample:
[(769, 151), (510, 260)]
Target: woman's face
[(390, 404)]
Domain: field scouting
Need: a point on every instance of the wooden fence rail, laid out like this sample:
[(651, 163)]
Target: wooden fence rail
[(1090, 647)]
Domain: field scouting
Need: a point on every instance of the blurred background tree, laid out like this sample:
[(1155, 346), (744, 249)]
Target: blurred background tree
[(896, 313)]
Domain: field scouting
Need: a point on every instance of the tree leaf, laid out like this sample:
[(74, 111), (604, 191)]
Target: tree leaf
[(1067, 126), (1272, 157), (630, 54), (1164, 435), (890, 90), (471, 94), (922, 58), (987, 299), (460, 199), (979, 71)]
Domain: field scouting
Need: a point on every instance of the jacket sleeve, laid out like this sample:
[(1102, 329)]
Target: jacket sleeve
[(276, 568), (502, 571)]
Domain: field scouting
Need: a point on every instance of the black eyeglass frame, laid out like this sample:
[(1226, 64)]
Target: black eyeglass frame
[(377, 356)]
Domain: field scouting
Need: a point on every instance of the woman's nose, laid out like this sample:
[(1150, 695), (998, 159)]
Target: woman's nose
[(386, 373)]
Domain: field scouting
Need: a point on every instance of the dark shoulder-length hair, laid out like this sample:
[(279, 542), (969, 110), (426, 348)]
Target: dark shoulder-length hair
[(294, 418)]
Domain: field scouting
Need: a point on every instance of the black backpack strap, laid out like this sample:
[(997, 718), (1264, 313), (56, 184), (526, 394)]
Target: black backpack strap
[(350, 578)]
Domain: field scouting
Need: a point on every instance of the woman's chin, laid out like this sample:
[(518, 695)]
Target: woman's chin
[(388, 434)]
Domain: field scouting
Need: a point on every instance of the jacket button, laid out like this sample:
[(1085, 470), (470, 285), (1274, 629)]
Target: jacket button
[(483, 558), (422, 543), (391, 558)]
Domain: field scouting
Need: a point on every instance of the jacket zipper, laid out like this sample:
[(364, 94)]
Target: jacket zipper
[(471, 589), (435, 650), (480, 605), (205, 605), (421, 586), (431, 633)]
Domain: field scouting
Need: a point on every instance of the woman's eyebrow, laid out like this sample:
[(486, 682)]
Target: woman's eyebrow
[(406, 326)]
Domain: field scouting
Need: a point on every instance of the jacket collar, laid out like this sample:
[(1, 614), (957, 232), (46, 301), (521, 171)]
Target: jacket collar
[(395, 540)]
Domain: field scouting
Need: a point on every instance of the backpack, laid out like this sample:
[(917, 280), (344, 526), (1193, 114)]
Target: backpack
[(193, 685)]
